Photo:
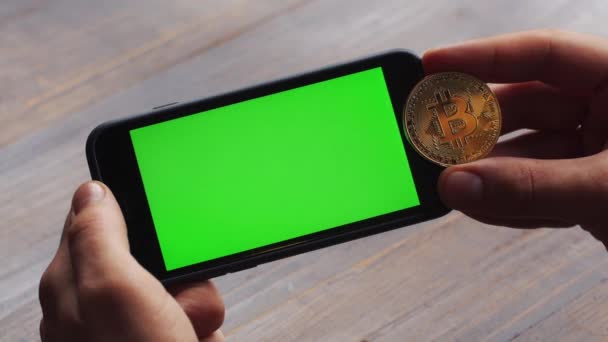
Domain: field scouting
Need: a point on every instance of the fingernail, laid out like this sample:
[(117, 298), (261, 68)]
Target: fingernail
[(87, 194), (462, 188)]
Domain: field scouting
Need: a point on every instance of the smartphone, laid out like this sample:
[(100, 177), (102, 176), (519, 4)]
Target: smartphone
[(223, 184)]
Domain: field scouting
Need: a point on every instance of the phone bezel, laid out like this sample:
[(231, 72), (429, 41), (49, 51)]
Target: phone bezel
[(112, 160)]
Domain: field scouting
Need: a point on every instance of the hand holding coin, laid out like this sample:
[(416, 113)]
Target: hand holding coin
[(554, 83)]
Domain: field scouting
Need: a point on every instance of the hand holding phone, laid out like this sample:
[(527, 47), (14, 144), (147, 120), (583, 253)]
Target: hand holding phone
[(94, 290), (227, 183)]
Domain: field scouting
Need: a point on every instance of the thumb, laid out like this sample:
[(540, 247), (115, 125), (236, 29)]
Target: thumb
[(512, 191), (104, 271), (97, 235), (115, 294)]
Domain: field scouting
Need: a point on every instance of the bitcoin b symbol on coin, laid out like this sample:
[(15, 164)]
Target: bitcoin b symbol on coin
[(455, 118), (441, 123)]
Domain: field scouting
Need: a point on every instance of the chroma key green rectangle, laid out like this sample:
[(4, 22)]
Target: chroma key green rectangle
[(274, 168)]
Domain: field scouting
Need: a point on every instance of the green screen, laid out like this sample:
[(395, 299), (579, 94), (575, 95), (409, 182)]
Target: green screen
[(273, 168)]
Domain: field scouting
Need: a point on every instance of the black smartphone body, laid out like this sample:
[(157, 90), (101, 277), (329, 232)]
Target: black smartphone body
[(226, 183)]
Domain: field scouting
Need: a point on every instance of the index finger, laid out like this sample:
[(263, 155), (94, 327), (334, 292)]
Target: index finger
[(571, 61), (203, 305)]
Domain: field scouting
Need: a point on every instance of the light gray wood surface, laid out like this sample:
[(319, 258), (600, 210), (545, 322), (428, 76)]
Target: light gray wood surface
[(66, 66)]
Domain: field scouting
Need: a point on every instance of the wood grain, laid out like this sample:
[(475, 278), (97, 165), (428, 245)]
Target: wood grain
[(68, 65)]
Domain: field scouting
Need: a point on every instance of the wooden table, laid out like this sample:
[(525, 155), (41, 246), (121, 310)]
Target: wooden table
[(67, 65)]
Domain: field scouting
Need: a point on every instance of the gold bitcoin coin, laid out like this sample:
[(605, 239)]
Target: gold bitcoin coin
[(452, 118)]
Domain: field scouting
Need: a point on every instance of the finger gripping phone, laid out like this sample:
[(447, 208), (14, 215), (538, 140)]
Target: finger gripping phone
[(226, 183)]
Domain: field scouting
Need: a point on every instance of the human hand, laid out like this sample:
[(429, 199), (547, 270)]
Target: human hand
[(555, 83), (94, 290)]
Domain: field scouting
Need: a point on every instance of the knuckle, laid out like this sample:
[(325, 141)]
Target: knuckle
[(217, 314), (57, 309), (207, 318), (599, 174), (82, 228), (521, 186), (79, 225), (65, 329), (601, 163), (66, 317), (545, 38), (600, 179), (530, 176), (217, 308), (552, 32), (549, 33), (46, 288), (102, 291), (525, 179), (207, 312), (42, 330)]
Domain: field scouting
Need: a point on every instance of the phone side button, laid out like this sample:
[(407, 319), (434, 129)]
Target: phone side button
[(165, 105)]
